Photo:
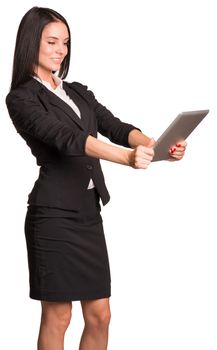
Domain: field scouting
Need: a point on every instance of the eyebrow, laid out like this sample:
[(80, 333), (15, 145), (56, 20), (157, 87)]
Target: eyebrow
[(54, 37)]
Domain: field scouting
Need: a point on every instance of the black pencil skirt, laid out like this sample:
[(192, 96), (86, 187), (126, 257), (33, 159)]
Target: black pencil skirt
[(67, 253)]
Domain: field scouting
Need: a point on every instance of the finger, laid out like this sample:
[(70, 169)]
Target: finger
[(179, 151), (177, 156), (176, 150), (146, 157), (182, 144), (147, 150), (141, 163), (143, 166), (171, 159), (151, 143), (143, 156)]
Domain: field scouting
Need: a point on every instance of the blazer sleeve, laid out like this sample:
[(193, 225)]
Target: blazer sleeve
[(108, 125), (28, 116)]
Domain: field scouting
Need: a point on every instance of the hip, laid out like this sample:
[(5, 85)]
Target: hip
[(87, 214)]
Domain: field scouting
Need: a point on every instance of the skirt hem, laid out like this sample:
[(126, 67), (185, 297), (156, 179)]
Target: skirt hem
[(70, 298)]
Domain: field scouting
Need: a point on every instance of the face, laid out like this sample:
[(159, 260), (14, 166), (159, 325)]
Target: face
[(53, 49)]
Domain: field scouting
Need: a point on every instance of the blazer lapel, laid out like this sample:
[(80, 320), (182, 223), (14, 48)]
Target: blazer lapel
[(51, 98), (59, 103), (80, 102)]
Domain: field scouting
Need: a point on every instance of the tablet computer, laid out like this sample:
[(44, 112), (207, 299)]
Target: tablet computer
[(178, 130)]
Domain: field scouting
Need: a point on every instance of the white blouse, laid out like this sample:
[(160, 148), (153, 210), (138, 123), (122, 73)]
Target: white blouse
[(60, 92)]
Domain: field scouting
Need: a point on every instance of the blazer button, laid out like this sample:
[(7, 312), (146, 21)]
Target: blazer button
[(89, 167)]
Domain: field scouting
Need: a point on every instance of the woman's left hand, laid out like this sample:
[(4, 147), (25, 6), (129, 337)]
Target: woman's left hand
[(177, 152)]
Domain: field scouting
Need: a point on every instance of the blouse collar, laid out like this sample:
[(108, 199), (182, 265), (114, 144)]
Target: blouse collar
[(58, 81)]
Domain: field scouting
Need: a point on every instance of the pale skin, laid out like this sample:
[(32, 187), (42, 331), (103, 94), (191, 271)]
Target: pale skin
[(56, 316)]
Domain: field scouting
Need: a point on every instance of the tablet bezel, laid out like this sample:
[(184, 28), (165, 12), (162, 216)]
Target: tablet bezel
[(181, 127)]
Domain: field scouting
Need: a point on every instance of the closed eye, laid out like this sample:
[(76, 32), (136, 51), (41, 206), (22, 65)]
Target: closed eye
[(53, 43)]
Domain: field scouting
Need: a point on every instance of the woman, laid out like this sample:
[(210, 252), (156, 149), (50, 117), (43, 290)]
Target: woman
[(59, 121)]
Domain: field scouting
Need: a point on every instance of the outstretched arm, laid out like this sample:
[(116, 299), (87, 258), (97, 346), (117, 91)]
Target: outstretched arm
[(136, 138), (138, 158)]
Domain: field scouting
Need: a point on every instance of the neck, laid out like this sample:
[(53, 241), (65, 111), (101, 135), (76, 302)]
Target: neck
[(49, 79), (46, 76)]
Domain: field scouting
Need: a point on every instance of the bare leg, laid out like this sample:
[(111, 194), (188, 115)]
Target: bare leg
[(96, 317), (55, 320)]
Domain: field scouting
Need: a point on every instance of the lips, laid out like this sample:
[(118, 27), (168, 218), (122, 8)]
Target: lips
[(57, 60)]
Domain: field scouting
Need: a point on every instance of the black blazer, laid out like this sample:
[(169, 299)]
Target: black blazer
[(56, 136)]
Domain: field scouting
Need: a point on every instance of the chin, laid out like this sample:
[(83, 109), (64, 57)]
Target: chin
[(55, 67)]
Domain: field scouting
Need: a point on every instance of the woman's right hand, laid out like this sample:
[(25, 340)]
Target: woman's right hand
[(141, 156)]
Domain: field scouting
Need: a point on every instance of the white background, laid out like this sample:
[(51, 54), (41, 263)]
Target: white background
[(146, 61)]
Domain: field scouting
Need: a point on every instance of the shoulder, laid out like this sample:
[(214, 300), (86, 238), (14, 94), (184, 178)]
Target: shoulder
[(27, 90), (77, 86), (82, 89)]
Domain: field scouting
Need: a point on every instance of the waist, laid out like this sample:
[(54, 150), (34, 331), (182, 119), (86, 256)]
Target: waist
[(88, 207)]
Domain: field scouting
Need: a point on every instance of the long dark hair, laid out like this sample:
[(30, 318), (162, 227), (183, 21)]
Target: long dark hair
[(28, 42)]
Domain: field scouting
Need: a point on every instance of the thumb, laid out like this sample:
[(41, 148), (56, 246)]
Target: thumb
[(151, 143)]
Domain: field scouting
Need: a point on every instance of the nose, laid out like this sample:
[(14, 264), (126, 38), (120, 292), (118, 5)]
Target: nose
[(61, 49)]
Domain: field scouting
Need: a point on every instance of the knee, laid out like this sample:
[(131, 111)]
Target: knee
[(63, 319), (57, 317), (98, 321)]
